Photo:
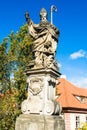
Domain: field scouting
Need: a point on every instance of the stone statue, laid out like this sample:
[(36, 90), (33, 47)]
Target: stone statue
[(45, 37), (41, 111)]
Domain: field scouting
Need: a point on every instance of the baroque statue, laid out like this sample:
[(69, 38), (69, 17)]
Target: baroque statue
[(41, 111), (45, 36)]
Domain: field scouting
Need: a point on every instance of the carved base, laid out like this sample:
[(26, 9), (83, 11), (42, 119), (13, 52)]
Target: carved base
[(38, 122), (41, 92)]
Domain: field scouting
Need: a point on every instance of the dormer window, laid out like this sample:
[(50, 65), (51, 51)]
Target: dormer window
[(81, 99)]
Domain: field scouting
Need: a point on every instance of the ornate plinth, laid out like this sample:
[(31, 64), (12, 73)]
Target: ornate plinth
[(40, 110), (41, 92), (39, 122)]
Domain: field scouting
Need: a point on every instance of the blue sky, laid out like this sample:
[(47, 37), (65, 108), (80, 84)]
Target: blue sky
[(70, 19)]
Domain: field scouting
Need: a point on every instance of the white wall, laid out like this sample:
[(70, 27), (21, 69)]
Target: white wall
[(70, 120)]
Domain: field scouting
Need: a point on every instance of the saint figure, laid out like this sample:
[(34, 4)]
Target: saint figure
[(45, 37)]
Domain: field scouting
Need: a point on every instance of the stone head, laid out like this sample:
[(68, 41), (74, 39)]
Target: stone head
[(43, 14)]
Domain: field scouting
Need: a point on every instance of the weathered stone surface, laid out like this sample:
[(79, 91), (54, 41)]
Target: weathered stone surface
[(45, 42), (40, 109), (41, 92), (39, 122)]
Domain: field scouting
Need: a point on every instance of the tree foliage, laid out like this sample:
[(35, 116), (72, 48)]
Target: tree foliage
[(4, 67), (20, 47), (84, 127), (13, 63), (19, 56), (8, 110)]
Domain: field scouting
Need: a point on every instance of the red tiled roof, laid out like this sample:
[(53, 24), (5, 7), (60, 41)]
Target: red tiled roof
[(67, 93)]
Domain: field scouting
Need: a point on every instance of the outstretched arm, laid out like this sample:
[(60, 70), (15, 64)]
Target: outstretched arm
[(27, 17)]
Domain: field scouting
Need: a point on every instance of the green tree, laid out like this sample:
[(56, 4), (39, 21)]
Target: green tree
[(8, 110), (84, 127), (19, 56), (4, 67), (20, 47), (13, 61)]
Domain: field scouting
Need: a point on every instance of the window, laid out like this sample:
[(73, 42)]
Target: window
[(82, 100), (86, 119), (77, 121)]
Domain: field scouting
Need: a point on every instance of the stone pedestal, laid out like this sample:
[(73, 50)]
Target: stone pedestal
[(40, 109), (41, 92), (39, 122)]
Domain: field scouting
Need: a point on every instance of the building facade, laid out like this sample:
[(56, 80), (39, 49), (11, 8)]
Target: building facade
[(74, 103)]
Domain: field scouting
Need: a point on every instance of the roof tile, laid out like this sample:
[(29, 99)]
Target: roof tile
[(68, 93)]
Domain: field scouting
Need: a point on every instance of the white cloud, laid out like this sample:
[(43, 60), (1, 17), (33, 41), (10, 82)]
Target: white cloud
[(59, 65), (78, 54), (63, 76), (80, 82)]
